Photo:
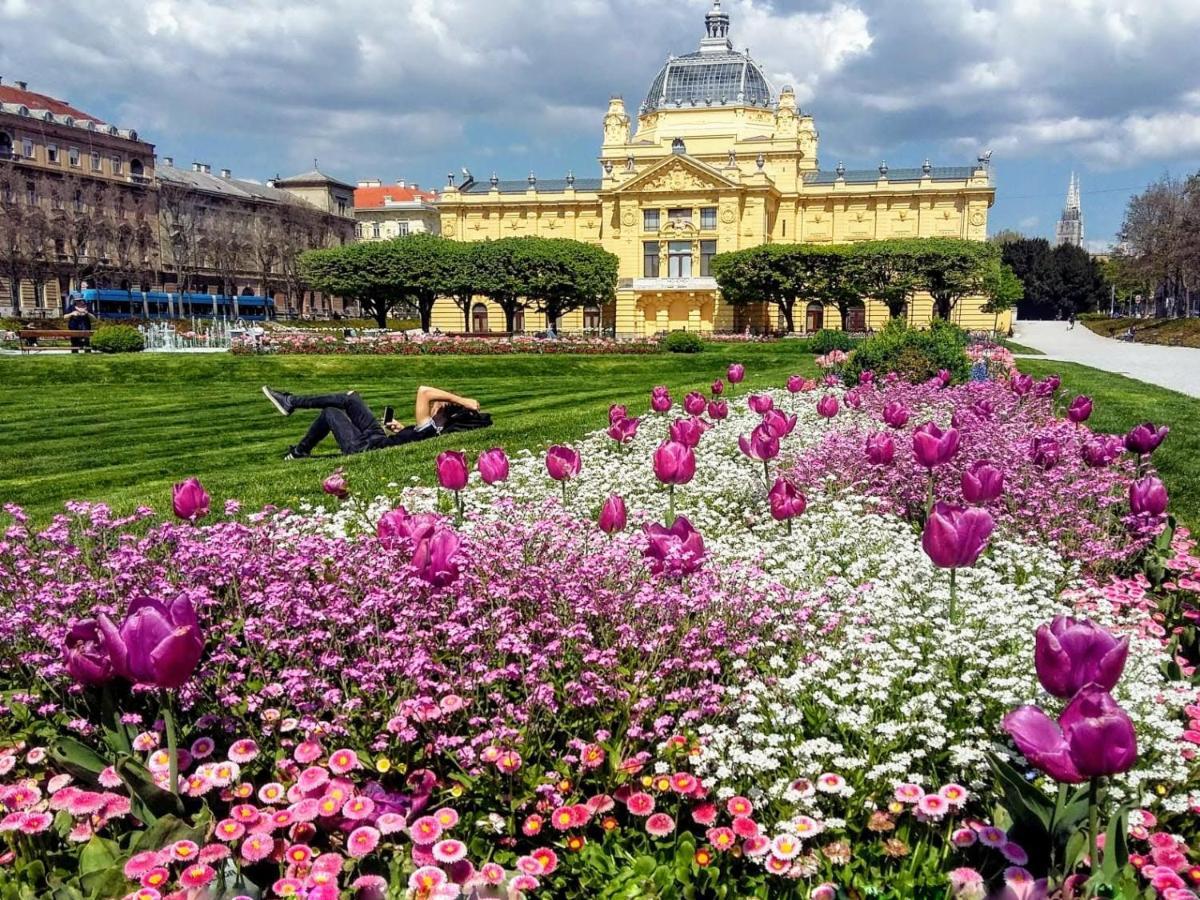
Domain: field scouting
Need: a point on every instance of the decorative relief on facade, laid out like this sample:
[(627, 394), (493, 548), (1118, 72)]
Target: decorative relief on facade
[(628, 218)]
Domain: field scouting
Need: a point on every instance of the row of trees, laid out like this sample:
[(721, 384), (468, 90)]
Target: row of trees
[(844, 275), (1158, 259), (1058, 280), (548, 275)]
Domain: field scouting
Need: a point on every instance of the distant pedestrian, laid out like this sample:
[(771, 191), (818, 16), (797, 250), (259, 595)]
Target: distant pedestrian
[(1071, 321), (79, 318)]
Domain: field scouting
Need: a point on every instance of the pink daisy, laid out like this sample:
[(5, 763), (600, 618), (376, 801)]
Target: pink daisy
[(202, 748), (155, 878), (963, 837), (197, 875), (214, 852), (86, 803), (660, 825), (243, 751), (491, 873), (532, 825), (704, 813), (427, 879), (425, 830), (640, 804), (141, 863), (529, 865), (184, 851), (307, 752), (390, 823), (524, 883), (562, 818), (785, 846), (230, 830), (739, 806), (57, 783), (226, 773), (756, 846), (954, 794), (144, 894), (109, 778), (683, 783), (257, 847), (80, 833), (777, 865), (449, 851), (807, 827), (991, 836), (313, 778), (909, 793), (362, 840), (343, 761), (830, 783), (36, 822), (298, 854), (722, 839), (1015, 875), (273, 792), (1014, 853), (369, 887), (490, 754), (745, 827), (358, 808), (600, 804), (933, 805), (446, 817), (288, 887), (824, 891), (147, 740), (509, 762), (547, 859)]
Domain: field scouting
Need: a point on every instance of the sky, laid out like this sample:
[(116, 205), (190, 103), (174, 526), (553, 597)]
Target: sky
[(414, 89)]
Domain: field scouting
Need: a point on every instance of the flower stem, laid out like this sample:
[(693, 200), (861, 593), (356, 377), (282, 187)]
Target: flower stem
[(671, 507), (953, 593), (1094, 825), (564, 486), (172, 743)]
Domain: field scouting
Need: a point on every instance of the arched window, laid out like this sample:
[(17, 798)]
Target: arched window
[(814, 317), (247, 292), (856, 320), (136, 168), (591, 318), (479, 318), (5, 146)]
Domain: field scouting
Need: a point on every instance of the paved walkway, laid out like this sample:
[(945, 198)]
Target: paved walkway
[(1177, 368)]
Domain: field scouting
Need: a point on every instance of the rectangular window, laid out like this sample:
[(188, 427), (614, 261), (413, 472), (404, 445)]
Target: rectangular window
[(27, 148), (650, 220), (708, 218), (708, 249), (52, 153), (95, 161), (679, 215), (374, 229), (679, 259), (402, 229), (73, 156), (650, 259), (30, 193), (341, 207), (116, 161)]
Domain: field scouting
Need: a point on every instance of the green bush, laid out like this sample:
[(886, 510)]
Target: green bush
[(826, 340), (916, 354), (118, 339), (683, 342)]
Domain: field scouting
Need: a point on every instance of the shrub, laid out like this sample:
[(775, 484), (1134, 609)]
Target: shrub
[(826, 340), (915, 354), (683, 342), (118, 339)]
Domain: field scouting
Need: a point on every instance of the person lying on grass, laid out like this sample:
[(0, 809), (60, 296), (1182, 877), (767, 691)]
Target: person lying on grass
[(356, 429)]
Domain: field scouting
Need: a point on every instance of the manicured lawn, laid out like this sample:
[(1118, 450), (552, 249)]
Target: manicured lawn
[(1172, 332), (123, 429), (1122, 403), (1020, 348)]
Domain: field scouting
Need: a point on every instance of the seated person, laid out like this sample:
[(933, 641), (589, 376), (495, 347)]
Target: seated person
[(355, 427)]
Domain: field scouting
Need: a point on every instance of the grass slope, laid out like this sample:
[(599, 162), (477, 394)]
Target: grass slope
[(123, 429), (1172, 332)]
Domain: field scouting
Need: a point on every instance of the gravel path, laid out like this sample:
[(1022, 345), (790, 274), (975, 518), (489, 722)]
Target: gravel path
[(1177, 368)]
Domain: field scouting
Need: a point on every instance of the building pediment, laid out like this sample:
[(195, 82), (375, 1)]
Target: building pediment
[(680, 174)]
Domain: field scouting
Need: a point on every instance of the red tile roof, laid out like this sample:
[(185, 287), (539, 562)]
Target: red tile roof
[(12, 94), (372, 197)]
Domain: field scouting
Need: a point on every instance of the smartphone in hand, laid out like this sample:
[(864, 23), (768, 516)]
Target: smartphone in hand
[(389, 415)]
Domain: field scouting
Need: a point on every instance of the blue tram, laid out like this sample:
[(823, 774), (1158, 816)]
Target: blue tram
[(117, 304)]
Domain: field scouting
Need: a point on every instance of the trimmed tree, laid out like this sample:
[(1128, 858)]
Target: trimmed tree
[(887, 272), (1003, 290), (563, 275), (950, 269)]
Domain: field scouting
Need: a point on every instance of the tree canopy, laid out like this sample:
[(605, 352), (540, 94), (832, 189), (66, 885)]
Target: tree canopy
[(1057, 280)]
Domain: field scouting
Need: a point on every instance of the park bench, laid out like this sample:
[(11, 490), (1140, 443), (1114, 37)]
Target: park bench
[(30, 336)]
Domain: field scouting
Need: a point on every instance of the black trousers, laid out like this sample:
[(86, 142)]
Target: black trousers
[(346, 417)]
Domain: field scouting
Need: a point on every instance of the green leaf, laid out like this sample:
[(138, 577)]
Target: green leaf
[(78, 759), (166, 830), (98, 854), (149, 801), (1116, 849), (1027, 805), (1076, 847), (643, 866)]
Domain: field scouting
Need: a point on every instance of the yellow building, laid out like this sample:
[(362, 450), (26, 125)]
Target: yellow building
[(717, 162)]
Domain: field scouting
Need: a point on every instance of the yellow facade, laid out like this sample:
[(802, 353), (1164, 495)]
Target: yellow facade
[(717, 162)]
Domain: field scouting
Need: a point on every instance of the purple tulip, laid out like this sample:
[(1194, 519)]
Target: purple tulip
[(780, 424), (452, 470), (1101, 451), (1080, 409), (718, 410), (1021, 384), (660, 399), (1047, 388), (955, 536), (982, 483), (678, 550), (760, 403), (761, 445), (736, 373), (944, 377), (493, 466), (831, 380), (866, 376), (158, 643), (624, 430), (688, 431), (1147, 497), (934, 447), (190, 500), (718, 388), (674, 463), (1070, 654), (1145, 438), (827, 406), (1041, 741), (786, 500), (616, 413), (983, 409), (1045, 452), (562, 463), (795, 384), (84, 654), (433, 557), (895, 415), (612, 515), (336, 485), (881, 449), (397, 526), (694, 404), (1093, 737)]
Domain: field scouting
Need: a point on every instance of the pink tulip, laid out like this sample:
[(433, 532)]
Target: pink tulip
[(853, 398), (1070, 654), (1093, 738), (694, 404), (612, 515), (982, 483), (159, 643), (562, 463), (934, 447), (955, 536), (1101, 451), (688, 431), (493, 466), (1148, 497), (1021, 384), (624, 430), (718, 388), (895, 415), (827, 406), (718, 410), (944, 377), (397, 526), (795, 384), (1045, 452), (336, 485), (660, 399), (760, 403), (190, 500), (881, 449), (1048, 387), (1145, 438), (87, 661), (433, 557), (780, 424), (866, 376), (831, 380), (452, 470), (736, 373), (786, 501), (676, 551), (616, 413), (761, 445), (674, 463), (1080, 409)]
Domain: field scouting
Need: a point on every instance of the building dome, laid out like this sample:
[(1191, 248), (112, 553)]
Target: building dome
[(715, 75)]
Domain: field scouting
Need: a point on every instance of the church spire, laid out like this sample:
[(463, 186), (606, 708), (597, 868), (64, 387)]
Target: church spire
[(1070, 225), (716, 27)]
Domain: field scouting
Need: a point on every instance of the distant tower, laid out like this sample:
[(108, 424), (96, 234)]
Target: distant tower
[(1070, 226)]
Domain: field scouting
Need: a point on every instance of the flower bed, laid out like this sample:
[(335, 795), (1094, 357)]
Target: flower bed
[(524, 683), (405, 344)]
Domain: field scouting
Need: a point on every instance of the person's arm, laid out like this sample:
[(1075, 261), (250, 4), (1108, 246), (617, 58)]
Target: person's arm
[(427, 396)]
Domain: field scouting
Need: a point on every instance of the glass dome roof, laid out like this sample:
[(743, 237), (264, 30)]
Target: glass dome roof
[(716, 75)]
